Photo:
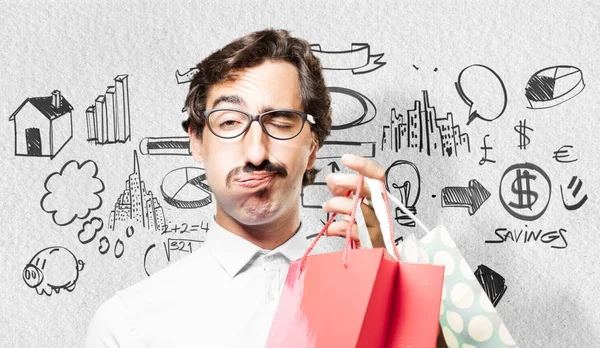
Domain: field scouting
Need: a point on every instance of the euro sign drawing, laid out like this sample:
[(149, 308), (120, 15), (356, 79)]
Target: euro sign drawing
[(521, 186)]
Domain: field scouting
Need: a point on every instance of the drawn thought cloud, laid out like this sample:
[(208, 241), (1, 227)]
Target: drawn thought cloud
[(73, 192), (89, 230)]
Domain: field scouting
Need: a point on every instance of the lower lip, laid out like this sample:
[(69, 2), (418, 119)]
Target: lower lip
[(255, 183)]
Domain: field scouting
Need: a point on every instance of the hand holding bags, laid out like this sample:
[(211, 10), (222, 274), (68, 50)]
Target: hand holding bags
[(467, 316), (339, 299), (357, 298)]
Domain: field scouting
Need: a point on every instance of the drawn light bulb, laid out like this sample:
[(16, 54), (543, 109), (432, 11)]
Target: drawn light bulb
[(402, 179)]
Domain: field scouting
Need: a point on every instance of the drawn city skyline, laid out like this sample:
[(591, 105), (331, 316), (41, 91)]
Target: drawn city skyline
[(136, 204), (422, 129), (108, 119)]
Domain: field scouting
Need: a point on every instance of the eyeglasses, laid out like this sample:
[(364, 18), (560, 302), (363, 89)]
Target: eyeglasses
[(282, 124)]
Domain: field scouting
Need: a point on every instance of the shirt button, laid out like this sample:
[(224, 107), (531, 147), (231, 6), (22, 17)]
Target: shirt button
[(268, 258)]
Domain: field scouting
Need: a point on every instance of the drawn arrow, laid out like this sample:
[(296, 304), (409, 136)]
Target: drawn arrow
[(334, 166), (471, 197)]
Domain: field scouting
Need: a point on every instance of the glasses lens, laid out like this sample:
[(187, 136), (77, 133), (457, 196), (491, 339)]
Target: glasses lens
[(282, 124), (227, 123)]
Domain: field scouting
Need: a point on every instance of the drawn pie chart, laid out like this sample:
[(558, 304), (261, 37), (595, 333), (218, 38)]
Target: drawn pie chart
[(186, 188), (554, 85)]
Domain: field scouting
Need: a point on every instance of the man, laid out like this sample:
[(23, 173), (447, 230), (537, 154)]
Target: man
[(225, 294)]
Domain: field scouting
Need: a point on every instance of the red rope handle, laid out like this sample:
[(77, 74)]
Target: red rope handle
[(355, 203), (389, 216), (352, 218)]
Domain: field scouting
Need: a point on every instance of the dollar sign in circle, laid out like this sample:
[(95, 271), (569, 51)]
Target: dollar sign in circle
[(521, 186), (525, 191)]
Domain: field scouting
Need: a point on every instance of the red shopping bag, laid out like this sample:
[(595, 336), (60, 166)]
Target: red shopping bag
[(416, 306), (418, 292), (357, 298), (340, 299)]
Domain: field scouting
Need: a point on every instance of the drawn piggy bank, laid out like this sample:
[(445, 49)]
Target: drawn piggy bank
[(53, 268)]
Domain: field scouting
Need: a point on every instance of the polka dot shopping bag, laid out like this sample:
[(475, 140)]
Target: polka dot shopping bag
[(467, 317)]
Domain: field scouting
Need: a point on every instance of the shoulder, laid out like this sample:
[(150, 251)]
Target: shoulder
[(107, 328), (117, 321), (184, 273)]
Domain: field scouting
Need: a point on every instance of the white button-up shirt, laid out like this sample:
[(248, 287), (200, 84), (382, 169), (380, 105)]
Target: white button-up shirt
[(222, 295)]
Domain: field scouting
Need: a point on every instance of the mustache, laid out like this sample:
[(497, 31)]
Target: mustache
[(265, 166)]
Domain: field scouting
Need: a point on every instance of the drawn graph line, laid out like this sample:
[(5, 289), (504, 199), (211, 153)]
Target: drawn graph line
[(554, 85), (45, 126), (53, 269), (358, 59)]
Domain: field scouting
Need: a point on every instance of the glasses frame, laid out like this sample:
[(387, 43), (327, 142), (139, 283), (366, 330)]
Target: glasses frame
[(252, 118)]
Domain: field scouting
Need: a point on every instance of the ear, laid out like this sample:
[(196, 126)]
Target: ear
[(196, 147), (313, 152)]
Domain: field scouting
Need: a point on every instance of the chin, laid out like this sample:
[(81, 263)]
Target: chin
[(259, 210)]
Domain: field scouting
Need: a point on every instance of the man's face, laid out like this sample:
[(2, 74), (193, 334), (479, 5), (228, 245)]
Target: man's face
[(256, 179)]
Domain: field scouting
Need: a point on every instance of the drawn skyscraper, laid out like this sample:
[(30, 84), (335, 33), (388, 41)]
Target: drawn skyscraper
[(108, 119), (424, 131), (136, 204)]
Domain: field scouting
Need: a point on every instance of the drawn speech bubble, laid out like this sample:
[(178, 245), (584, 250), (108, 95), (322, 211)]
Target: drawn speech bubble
[(483, 91)]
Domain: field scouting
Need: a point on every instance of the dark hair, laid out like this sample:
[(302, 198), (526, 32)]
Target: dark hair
[(252, 50)]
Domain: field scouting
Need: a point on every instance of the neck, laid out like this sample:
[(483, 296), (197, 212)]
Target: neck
[(267, 236)]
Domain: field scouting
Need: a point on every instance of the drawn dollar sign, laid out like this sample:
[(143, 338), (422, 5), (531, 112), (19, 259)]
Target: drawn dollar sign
[(523, 139), (523, 190)]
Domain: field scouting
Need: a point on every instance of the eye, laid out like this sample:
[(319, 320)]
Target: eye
[(228, 119), (282, 119)]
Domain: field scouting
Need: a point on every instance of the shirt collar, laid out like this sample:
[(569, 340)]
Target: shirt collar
[(234, 252)]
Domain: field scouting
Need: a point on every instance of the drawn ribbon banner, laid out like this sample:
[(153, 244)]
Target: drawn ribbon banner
[(358, 59)]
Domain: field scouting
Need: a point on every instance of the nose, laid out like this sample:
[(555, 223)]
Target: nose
[(32, 276), (256, 143)]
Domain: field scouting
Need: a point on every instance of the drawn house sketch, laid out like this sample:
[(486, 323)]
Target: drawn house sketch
[(108, 120), (43, 125), (136, 204)]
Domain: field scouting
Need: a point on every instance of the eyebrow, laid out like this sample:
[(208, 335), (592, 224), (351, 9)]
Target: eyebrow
[(233, 99), (237, 100)]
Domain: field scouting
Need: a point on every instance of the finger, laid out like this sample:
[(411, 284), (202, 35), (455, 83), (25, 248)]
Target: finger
[(338, 228), (339, 183), (364, 166), (343, 205)]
